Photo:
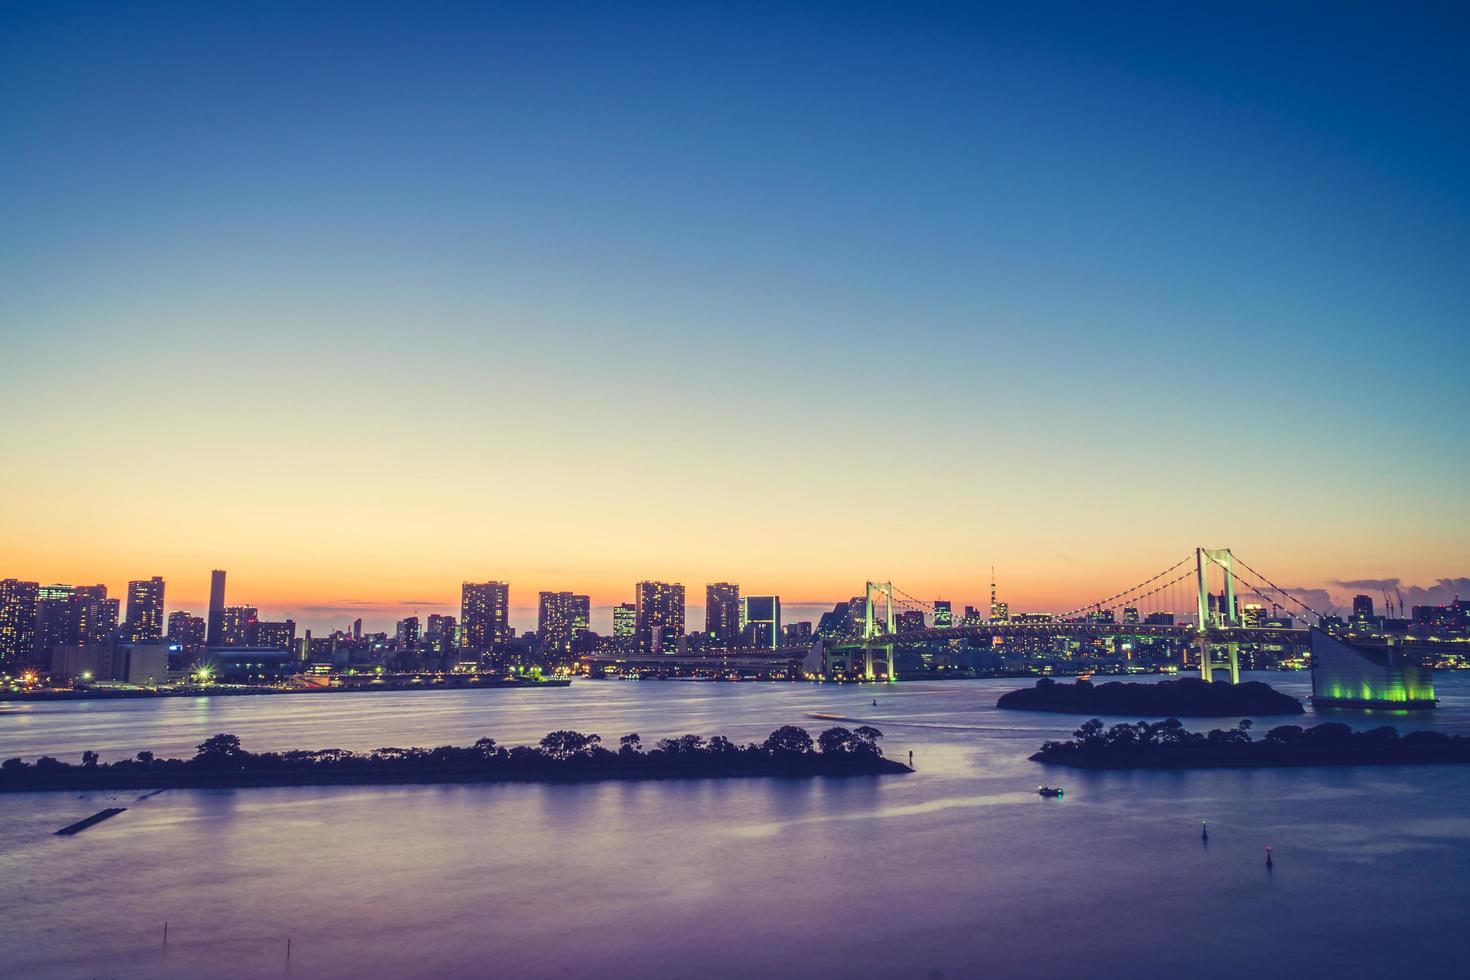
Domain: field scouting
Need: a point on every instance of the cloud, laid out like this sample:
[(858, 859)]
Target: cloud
[(1441, 593)]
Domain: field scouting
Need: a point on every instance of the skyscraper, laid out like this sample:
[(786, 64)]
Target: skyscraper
[(17, 622), (722, 613), (483, 614), (1362, 610), (625, 621), (216, 614), (145, 610), (440, 633), (761, 615), (660, 616), (407, 632), (56, 620), (943, 614), (96, 614), (560, 617)]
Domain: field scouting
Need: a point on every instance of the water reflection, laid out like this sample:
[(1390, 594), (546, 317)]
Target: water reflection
[(959, 868)]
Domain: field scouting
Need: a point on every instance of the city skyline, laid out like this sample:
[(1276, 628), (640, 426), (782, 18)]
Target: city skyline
[(523, 607)]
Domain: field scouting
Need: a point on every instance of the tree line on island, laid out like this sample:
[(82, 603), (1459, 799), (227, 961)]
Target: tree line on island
[(560, 755), (1169, 745)]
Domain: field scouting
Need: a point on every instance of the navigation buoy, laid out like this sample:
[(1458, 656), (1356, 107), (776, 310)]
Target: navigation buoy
[(875, 702), (1204, 830), (1269, 862)]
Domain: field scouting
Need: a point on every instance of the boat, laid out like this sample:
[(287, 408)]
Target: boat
[(1049, 792)]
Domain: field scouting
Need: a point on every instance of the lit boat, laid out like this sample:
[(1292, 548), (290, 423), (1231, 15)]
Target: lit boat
[(1049, 793)]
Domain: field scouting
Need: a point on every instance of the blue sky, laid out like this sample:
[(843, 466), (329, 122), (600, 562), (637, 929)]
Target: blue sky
[(1114, 282)]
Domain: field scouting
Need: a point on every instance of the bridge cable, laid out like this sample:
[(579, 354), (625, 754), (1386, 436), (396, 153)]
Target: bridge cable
[(1102, 602)]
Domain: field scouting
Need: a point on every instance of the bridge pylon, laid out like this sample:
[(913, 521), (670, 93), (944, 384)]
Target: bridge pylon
[(1229, 616), (870, 631)]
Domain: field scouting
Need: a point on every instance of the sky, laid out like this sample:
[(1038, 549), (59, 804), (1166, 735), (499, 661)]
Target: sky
[(361, 301)]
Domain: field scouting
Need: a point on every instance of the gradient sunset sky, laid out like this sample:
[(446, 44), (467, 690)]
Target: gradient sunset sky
[(360, 301)]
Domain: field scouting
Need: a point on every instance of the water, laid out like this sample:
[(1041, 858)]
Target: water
[(959, 870)]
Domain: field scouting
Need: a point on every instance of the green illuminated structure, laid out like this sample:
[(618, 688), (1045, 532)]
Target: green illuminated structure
[(1360, 676)]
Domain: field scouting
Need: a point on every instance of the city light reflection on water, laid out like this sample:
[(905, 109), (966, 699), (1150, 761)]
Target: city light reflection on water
[(959, 870)]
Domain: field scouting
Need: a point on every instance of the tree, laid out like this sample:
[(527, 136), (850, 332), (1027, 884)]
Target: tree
[(683, 745), (629, 744), (867, 740), (89, 759), (145, 758), (221, 750), (564, 744), (788, 738), (485, 746), (1091, 732), (1284, 734), (13, 765), (835, 741), (719, 745)]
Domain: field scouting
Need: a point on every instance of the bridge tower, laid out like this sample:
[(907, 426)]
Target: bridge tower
[(1204, 557), (870, 631)]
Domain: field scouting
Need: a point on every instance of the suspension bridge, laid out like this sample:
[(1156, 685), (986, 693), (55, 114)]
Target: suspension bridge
[(1178, 603), (1216, 631)]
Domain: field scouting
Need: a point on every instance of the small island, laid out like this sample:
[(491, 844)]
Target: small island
[(1186, 697), (1168, 745), (562, 756)]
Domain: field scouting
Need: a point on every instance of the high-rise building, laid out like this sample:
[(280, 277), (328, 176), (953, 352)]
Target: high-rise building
[(441, 633), (275, 635), (1253, 616), (237, 626), (407, 633), (1130, 615), (96, 614), (795, 633), (216, 614), (57, 622), (722, 613), (1362, 610), (1000, 612), (357, 626), (560, 618), (660, 616), (625, 621), (909, 619), (761, 619), (187, 630), (972, 617), (17, 622), (484, 614), (943, 614), (145, 610)]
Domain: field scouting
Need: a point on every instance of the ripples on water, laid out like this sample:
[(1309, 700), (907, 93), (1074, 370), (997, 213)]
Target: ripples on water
[(959, 870)]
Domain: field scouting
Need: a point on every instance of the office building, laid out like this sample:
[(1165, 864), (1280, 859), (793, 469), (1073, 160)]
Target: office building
[(722, 613), (943, 614), (145, 610), (484, 615), (216, 614), (760, 616), (659, 612), (1130, 616), (797, 633)]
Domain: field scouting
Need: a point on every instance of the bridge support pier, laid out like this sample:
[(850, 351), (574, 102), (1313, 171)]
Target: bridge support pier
[(1207, 663)]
